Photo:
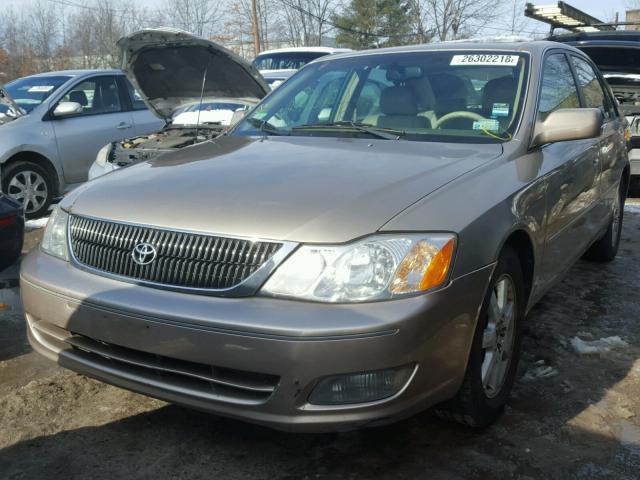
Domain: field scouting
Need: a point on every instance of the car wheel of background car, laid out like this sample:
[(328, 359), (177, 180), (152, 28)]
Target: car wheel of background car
[(493, 360), (606, 248), (30, 184)]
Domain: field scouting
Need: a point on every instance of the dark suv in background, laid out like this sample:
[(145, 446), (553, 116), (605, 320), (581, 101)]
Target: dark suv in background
[(617, 55)]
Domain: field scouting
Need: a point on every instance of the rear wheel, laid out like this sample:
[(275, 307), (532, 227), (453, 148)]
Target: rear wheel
[(30, 184), (605, 249), (495, 352)]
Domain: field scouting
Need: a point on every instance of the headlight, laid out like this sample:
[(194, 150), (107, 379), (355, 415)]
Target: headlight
[(375, 268), (54, 240), (103, 155)]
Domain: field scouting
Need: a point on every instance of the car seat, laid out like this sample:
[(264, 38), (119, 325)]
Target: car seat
[(399, 106)]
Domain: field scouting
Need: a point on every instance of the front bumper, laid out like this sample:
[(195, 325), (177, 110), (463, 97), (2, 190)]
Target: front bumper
[(154, 336)]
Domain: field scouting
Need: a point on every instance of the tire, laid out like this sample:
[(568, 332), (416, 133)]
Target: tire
[(605, 248), (483, 396), (15, 183)]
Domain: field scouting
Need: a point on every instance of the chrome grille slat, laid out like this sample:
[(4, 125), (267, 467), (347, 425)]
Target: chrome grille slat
[(184, 259)]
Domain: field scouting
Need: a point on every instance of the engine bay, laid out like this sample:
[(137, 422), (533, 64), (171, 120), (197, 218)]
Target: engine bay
[(170, 138)]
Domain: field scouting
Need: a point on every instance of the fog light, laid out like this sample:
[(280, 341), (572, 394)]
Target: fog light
[(360, 387)]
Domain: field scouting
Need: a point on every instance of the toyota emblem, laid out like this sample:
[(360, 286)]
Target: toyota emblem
[(144, 253)]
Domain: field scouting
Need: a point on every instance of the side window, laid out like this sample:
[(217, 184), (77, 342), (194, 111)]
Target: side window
[(95, 95), (594, 96), (136, 100), (558, 86)]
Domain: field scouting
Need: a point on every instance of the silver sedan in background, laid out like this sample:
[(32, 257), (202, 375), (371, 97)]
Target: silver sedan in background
[(365, 244), (55, 123)]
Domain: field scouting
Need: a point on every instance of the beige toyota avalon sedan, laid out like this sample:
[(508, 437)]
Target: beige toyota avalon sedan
[(364, 244)]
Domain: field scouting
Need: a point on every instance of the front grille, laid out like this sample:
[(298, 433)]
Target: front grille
[(183, 260)]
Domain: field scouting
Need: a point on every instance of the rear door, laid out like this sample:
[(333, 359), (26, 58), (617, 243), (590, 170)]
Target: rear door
[(572, 184), (104, 119)]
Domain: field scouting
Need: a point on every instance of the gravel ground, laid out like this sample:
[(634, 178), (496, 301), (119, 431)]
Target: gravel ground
[(572, 415)]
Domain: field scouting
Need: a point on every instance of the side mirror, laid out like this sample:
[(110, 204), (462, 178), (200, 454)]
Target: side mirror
[(568, 124), (64, 109), (237, 116)]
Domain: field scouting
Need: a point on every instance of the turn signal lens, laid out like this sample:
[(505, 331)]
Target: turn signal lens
[(424, 268), (438, 268)]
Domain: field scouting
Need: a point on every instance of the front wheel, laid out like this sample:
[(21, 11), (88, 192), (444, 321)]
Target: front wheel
[(493, 360), (30, 184)]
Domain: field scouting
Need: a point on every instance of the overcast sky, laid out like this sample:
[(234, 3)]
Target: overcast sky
[(602, 9)]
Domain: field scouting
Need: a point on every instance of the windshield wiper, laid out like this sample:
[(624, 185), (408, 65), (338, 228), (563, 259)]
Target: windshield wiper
[(266, 127), (386, 133)]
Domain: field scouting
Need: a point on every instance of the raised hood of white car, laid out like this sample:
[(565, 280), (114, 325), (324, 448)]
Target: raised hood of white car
[(171, 68)]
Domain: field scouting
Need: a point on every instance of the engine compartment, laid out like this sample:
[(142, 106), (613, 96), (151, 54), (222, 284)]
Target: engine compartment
[(166, 140)]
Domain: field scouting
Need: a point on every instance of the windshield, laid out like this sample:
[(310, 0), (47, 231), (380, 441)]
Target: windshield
[(29, 92), (447, 96), (285, 60)]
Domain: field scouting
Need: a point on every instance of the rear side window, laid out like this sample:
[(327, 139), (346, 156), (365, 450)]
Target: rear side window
[(558, 86), (594, 96)]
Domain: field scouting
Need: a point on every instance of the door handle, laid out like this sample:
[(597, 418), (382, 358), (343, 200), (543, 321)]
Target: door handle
[(123, 126)]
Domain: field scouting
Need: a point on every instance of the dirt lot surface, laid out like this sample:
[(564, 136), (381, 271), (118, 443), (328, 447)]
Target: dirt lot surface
[(572, 416)]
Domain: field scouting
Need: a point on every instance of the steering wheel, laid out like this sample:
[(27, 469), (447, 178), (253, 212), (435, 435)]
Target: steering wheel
[(460, 114)]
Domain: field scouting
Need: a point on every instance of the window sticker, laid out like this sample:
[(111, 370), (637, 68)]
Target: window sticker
[(41, 89), (489, 124), (485, 59), (500, 110)]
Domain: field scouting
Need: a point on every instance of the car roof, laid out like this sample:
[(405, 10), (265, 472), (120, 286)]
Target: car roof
[(77, 73), (305, 49), (533, 47), (603, 36)]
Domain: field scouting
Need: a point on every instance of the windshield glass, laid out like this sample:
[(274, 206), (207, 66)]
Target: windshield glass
[(285, 60), (29, 92), (447, 96)]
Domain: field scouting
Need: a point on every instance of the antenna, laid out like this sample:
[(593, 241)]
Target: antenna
[(204, 80)]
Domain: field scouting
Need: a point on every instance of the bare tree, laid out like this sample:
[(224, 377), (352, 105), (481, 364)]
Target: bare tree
[(516, 22), (453, 19), (306, 22), (196, 16)]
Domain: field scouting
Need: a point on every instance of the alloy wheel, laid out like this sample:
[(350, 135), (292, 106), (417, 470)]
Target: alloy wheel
[(615, 223), (498, 336), (30, 189)]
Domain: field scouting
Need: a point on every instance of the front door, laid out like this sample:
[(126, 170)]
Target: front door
[(574, 171), (103, 120)]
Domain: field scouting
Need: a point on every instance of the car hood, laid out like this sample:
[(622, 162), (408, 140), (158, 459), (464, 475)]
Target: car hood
[(305, 189), (171, 68), (5, 99)]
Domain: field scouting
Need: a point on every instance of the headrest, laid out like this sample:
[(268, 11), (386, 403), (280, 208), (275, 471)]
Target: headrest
[(498, 90), (78, 96), (448, 86), (398, 101), (424, 93)]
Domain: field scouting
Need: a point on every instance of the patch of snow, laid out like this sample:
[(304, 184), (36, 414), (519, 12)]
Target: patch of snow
[(539, 370), (36, 223), (632, 206), (604, 345)]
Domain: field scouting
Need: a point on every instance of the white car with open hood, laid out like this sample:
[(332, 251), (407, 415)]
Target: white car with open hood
[(195, 85)]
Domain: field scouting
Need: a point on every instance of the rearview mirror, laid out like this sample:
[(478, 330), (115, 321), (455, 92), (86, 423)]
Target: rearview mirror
[(65, 109), (568, 124)]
